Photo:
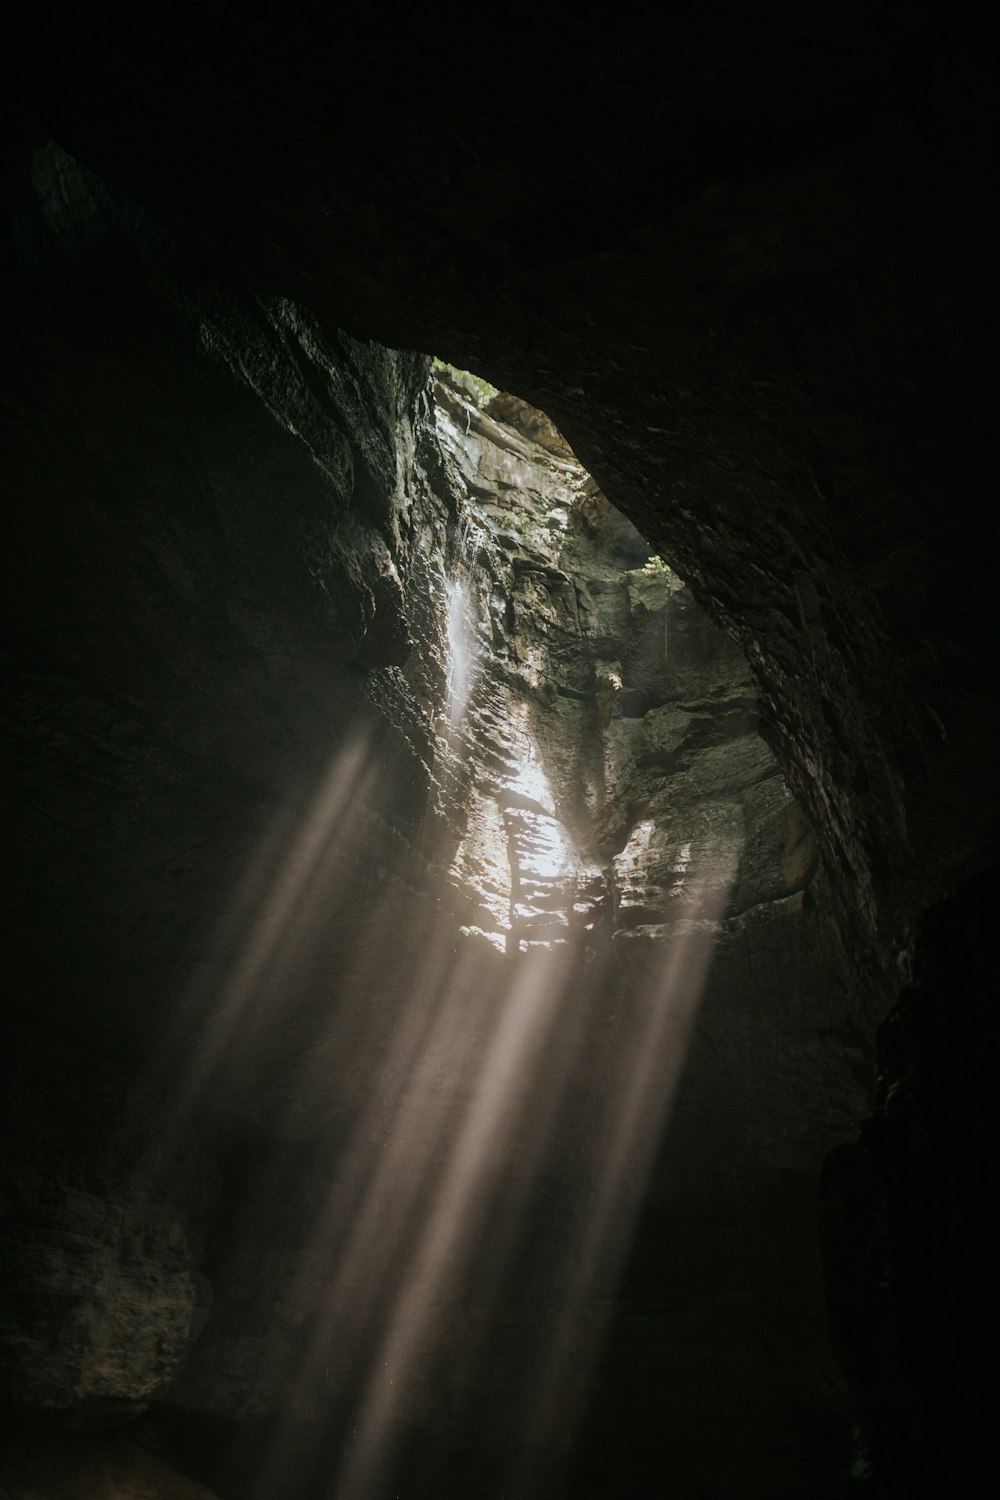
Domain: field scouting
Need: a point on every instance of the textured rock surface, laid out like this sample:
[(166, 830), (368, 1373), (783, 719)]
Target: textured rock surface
[(174, 715), (733, 297), (570, 745), (666, 790), (756, 294)]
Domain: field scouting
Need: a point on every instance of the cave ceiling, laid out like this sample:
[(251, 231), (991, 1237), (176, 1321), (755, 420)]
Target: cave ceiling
[(739, 256), (742, 258)]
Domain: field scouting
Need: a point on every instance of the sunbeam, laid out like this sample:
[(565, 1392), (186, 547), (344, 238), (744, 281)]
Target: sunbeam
[(649, 1058), (495, 1095), (484, 1073), (455, 1214), (460, 635), (276, 894)]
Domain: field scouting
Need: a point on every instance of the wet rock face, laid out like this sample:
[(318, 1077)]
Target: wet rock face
[(368, 837), (751, 291), (618, 794), (199, 671), (607, 729), (753, 296)]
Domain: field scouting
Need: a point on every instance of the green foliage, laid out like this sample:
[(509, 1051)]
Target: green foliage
[(475, 386)]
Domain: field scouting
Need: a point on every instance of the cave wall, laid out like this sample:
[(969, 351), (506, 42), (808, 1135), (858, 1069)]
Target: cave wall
[(756, 295), (642, 732), (743, 261), (184, 677), (246, 770)]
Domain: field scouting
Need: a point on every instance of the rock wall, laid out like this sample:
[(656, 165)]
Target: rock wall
[(600, 806), (389, 801), (742, 260), (741, 257), (619, 799), (194, 658)]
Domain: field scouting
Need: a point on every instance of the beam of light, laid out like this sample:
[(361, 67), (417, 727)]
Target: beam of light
[(427, 1169), (386, 1172), (289, 882), (455, 1216), (579, 1009), (476, 1073), (412, 1149), (649, 1067), (423, 1212), (436, 1034), (461, 636)]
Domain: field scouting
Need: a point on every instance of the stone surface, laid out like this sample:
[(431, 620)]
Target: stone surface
[(561, 752), (563, 827), (755, 293), (732, 296)]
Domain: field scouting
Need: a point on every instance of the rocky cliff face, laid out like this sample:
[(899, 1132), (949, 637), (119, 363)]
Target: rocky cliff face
[(301, 887), (205, 672), (512, 930), (729, 293), (619, 804)]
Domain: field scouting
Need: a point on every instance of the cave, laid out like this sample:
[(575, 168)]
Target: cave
[(502, 811)]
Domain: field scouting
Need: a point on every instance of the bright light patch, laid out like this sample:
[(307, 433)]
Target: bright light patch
[(550, 854), (531, 781), (461, 649)]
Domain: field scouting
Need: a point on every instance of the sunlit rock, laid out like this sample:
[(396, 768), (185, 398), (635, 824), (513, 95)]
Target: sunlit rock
[(393, 821)]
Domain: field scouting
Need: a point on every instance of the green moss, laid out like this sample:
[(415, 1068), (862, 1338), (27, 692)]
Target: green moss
[(479, 389)]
